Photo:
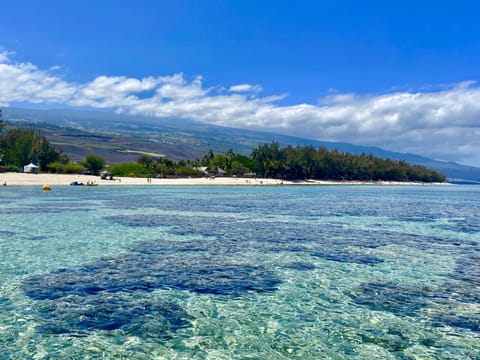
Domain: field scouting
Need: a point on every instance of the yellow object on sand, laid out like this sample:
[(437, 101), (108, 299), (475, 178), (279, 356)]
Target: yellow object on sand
[(46, 188)]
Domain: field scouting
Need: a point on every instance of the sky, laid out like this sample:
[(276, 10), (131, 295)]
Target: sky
[(400, 75)]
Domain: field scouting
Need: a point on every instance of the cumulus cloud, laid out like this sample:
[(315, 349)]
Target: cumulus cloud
[(442, 124), (24, 82)]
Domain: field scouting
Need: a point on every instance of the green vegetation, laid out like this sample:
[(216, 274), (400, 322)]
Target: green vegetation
[(19, 147), (60, 167), (322, 164), (130, 169), (94, 163), (148, 167), (289, 163)]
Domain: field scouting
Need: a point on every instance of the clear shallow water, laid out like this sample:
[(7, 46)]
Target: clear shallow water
[(328, 272)]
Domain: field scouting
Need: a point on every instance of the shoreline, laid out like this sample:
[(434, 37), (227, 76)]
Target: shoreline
[(26, 179)]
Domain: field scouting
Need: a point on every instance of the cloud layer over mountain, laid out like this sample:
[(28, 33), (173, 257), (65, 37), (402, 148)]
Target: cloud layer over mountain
[(442, 124)]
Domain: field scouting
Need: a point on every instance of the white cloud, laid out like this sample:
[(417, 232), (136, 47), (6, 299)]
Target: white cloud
[(442, 123), (176, 88), (246, 88), (5, 55), (23, 82)]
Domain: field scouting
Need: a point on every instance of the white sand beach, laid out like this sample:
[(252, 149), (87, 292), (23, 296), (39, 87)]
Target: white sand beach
[(22, 179), (25, 179)]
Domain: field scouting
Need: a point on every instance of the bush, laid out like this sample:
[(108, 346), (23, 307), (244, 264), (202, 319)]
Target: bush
[(69, 168), (73, 168), (13, 168), (126, 169), (56, 167)]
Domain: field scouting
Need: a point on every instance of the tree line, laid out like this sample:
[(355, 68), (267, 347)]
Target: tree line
[(323, 164), (287, 163), (21, 146)]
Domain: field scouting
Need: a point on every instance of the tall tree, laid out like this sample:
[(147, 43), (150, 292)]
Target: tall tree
[(207, 158), (94, 163)]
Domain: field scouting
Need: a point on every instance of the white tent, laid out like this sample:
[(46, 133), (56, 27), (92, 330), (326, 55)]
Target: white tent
[(203, 169), (30, 168)]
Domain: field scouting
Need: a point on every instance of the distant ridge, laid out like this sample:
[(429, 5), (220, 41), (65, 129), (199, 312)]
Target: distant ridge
[(120, 137)]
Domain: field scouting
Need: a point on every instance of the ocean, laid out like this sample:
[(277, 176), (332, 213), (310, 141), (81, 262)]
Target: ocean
[(253, 272)]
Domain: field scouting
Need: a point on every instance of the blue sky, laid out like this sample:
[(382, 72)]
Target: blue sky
[(396, 74)]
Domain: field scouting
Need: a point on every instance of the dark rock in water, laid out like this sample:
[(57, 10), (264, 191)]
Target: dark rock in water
[(79, 315), (90, 298), (380, 296), (407, 301), (468, 270), (348, 257), (464, 293), (470, 322), (189, 270)]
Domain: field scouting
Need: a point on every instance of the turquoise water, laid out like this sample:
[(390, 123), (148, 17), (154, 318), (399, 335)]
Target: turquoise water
[(312, 272)]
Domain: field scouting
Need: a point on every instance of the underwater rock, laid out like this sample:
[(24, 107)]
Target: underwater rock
[(384, 296), (468, 270), (408, 301), (79, 315), (470, 322), (90, 297), (196, 272), (348, 257)]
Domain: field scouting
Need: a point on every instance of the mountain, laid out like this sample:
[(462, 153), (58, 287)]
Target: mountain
[(119, 137)]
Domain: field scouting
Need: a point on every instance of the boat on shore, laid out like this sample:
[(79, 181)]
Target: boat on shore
[(81, 183)]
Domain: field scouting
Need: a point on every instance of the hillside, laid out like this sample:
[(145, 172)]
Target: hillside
[(120, 138)]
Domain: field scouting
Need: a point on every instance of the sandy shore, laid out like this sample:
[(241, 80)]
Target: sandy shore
[(22, 179)]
